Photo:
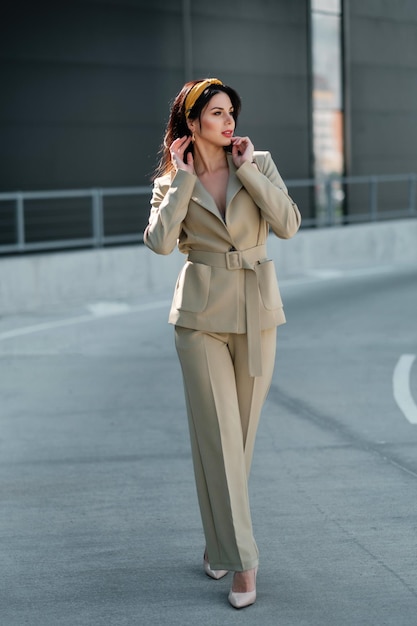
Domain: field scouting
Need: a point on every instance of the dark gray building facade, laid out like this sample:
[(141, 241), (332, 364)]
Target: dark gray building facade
[(86, 85)]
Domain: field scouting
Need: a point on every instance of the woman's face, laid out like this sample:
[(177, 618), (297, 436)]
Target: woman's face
[(216, 124)]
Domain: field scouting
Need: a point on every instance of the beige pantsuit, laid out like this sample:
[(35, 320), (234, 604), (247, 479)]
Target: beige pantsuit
[(224, 404), (225, 309)]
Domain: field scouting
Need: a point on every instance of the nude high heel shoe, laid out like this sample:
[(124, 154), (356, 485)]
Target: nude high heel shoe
[(213, 573), (240, 599)]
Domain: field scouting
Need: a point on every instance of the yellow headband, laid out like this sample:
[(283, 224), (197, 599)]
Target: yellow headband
[(196, 91)]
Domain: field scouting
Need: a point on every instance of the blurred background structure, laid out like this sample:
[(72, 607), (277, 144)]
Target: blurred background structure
[(328, 86)]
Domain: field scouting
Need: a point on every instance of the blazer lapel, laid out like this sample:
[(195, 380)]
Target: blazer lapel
[(233, 185), (202, 197)]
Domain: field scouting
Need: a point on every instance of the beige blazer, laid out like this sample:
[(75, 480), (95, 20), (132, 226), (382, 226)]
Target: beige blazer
[(227, 283)]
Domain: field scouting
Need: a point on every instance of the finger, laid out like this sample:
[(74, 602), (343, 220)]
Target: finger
[(184, 141), (178, 143), (183, 146), (179, 146)]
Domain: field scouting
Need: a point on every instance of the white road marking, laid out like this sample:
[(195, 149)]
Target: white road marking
[(401, 387), (325, 274), (104, 309), (97, 312)]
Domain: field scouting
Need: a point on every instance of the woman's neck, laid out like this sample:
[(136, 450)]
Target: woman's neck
[(208, 159)]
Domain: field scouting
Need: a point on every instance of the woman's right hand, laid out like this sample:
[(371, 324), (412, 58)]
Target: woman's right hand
[(177, 149)]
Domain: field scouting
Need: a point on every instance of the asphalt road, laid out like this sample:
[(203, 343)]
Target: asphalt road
[(98, 514)]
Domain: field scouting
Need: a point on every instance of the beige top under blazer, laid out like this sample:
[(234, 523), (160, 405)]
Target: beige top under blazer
[(227, 283)]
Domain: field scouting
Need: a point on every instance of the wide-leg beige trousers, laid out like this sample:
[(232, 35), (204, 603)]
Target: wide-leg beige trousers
[(224, 404)]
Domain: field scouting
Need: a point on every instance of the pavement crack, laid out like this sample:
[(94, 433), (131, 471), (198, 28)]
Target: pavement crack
[(303, 411), (332, 519)]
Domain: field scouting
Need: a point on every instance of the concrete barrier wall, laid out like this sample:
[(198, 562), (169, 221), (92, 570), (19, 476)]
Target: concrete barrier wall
[(46, 281), (361, 245)]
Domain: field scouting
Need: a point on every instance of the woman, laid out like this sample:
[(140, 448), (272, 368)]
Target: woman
[(216, 199)]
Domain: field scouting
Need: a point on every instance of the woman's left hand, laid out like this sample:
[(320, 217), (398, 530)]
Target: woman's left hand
[(242, 150)]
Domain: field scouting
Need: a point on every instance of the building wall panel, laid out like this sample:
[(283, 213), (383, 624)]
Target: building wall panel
[(382, 67)]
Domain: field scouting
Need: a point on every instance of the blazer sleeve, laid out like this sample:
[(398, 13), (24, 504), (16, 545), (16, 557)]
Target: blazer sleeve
[(267, 189), (169, 205)]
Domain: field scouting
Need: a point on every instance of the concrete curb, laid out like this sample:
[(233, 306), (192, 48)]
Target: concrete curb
[(40, 282)]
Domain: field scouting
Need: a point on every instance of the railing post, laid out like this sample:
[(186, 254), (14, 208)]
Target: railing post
[(412, 194), (97, 217), (20, 222), (373, 198), (328, 189)]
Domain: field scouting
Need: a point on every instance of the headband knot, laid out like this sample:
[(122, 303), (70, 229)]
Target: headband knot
[(196, 91)]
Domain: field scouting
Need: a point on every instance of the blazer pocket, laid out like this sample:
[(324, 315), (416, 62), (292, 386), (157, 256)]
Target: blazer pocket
[(192, 288), (268, 285)]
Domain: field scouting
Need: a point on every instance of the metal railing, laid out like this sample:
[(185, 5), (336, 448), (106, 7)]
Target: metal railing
[(332, 195), (328, 195), (97, 236)]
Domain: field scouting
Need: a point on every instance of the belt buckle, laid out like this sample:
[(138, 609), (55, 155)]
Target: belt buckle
[(234, 260)]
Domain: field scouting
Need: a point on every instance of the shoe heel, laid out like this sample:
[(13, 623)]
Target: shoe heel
[(240, 600)]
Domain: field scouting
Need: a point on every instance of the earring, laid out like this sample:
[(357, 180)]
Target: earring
[(193, 137)]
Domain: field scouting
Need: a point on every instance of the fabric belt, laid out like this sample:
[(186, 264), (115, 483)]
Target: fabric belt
[(236, 260)]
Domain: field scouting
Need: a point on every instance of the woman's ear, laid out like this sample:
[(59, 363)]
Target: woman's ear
[(191, 126)]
